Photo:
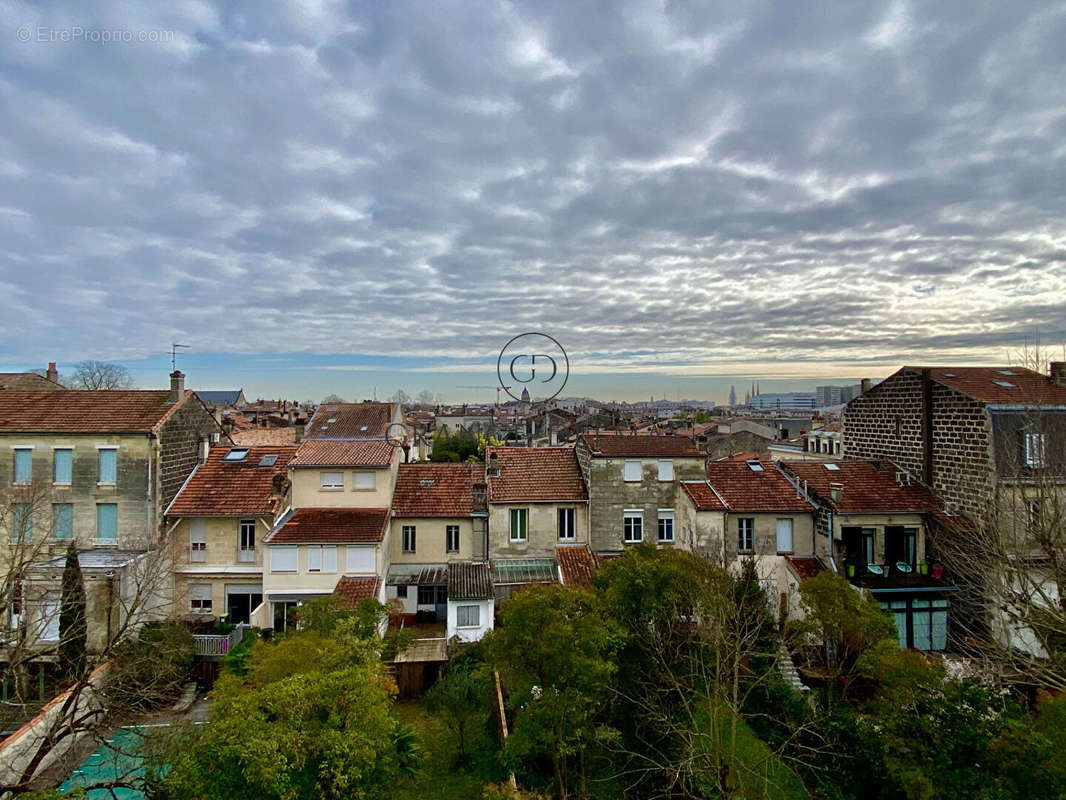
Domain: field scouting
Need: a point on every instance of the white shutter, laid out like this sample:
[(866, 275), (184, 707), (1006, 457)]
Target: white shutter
[(360, 559), (784, 536), (284, 558), (632, 471), (666, 470), (329, 558), (314, 558)]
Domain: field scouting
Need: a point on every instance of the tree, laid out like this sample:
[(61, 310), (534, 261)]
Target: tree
[(73, 627), (427, 398), (400, 396), (554, 650), (459, 698), (332, 398), (100, 375)]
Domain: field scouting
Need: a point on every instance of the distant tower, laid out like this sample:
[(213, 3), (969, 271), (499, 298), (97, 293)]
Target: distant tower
[(747, 398), (756, 389), (732, 395), (525, 395)]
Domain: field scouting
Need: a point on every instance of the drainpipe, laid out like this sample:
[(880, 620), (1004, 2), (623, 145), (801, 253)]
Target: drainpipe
[(148, 499), (832, 555)]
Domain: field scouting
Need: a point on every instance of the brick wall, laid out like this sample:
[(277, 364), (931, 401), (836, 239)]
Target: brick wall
[(180, 443), (886, 422)]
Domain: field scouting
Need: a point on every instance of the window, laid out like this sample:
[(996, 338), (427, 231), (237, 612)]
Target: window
[(518, 524), (284, 558), (108, 465), (360, 559), (365, 481), (631, 471), (197, 540), (566, 523), (666, 524), (746, 535), (332, 480), (61, 467), (200, 598), (236, 454), (21, 523), (784, 536), (451, 538), (666, 470), (408, 538), (322, 558), (1035, 449), (442, 595), (401, 591), (246, 540), (63, 521), (107, 523), (632, 525), (427, 595), (467, 616), (314, 558), (284, 614), (23, 465)]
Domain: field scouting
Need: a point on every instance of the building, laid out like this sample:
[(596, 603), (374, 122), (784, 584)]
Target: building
[(225, 398), (96, 468), (797, 400), (31, 381), (216, 526), (633, 485)]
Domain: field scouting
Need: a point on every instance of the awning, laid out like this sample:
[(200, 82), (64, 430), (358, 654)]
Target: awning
[(524, 570)]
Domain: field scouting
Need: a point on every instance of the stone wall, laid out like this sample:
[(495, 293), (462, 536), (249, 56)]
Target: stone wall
[(181, 446)]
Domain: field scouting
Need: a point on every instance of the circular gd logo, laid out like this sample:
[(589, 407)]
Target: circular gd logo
[(533, 364)]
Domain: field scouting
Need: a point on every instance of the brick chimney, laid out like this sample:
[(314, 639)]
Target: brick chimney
[(177, 386), (864, 385), (52, 373), (1058, 372)]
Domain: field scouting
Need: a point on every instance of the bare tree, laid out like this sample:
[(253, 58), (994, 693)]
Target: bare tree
[(100, 375)]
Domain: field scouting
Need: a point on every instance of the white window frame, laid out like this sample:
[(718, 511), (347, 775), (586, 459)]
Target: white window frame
[(666, 469), (518, 514), (633, 514), (459, 610), (245, 529), (291, 555), (314, 558), (451, 531), (201, 604), (665, 515), (567, 531), (409, 545), (632, 471), (356, 476), (1035, 449), (331, 481), (197, 540), (745, 533)]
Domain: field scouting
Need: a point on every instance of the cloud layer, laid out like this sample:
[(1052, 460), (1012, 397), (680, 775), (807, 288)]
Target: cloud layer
[(656, 183)]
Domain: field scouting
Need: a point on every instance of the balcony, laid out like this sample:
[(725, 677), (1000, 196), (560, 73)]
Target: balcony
[(217, 645), (897, 575)]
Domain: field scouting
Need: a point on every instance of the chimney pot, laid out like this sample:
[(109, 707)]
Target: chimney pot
[(1058, 372), (864, 385), (177, 386), (836, 492)]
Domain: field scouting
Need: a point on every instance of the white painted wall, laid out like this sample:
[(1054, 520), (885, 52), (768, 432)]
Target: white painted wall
[(485, 619)]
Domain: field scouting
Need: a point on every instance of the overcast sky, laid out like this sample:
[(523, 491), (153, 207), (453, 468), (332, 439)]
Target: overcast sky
[(792, 189)]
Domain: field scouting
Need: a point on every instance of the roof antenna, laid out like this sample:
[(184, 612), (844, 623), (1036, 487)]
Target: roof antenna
[(174, 355)]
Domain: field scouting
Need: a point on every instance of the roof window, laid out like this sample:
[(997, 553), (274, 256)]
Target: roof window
[(1004, 384), (755, 466), (1006, 372), (833, 467), (425, 482), (269, 460), (236, 454)]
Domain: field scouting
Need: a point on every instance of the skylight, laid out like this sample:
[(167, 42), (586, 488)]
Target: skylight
[(755, 466), (331, 420), (269, 460), (1007, 372), (426, 482), (832, 467), (1005, 384), (362, 427), (236, 454), (949, 374)]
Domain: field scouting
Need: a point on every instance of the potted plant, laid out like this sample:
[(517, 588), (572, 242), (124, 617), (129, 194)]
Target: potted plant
[(923, 568), (851, 570)]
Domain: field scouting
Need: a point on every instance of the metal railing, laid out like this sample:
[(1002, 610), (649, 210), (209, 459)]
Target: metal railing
[(218, 644)]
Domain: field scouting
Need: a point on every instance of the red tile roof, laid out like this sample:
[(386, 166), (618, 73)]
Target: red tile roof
[(354, 590), (425, 489), (577, 564), (220, 488), (325, 453), (641, 445), (702, 496), (351, 421), (76, 411), (986, 384), (746, 490), (869, 486), (258, 436), (328, 525), (535, 474), (805, 567), (28, 381)]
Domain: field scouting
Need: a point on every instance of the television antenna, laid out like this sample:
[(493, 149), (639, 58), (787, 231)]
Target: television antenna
[(174, 355)]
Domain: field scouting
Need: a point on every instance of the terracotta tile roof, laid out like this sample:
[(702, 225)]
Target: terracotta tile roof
[(77, 411), (576, 563), (326, 453), (746, 490), (535, 474), (227, 488), (425, 489), (641, 445), (258, 436), (469, 580), (351, 421), (328, 525), (986, 384), (869, 486), (805, 567), (354, 590), (27, 382), (745, 457), (702, 496)]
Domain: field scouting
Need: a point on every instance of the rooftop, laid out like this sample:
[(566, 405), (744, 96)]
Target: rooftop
[(702, 496), (468, 580), (331, 525), (78, 411), (351, 421), (326, 453), (258, 436), (867, 486), (640, 445), (754, 486), (224, 486), (534, 473), (998, 385), (577, 564), (354, 590), (425, 489)]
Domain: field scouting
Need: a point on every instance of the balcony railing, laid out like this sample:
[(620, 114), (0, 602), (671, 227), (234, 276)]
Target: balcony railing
[(218, 644)]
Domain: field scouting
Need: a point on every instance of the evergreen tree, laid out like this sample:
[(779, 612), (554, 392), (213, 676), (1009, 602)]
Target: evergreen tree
[(73, 630)]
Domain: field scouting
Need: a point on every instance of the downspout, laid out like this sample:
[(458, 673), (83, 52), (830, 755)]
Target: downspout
[(148, 499), (832, 555)]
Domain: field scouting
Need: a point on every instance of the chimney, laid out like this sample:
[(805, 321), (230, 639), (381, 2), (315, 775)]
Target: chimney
[(1057, 372), (836, 492), (493, 466), (298, 432), (177, 386), (864, 385), (53, 374)]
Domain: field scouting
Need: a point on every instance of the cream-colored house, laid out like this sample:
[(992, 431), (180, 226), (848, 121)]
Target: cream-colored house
[(216, 527)]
